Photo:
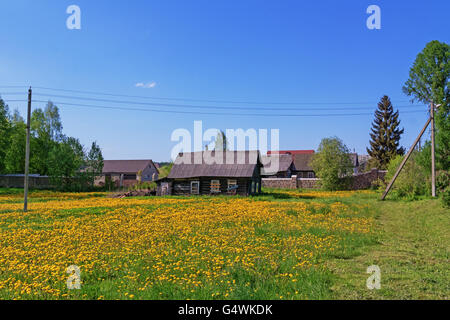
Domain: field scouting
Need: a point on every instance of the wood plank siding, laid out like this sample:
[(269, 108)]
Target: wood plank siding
[(183, 187)]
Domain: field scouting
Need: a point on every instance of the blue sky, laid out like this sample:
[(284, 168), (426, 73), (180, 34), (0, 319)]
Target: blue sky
[(317, 53)]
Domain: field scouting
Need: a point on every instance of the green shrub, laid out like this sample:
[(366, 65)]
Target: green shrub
[(442, 180), (413, 180), (147, 185), (446, 198), (377, 184), (164, 171)]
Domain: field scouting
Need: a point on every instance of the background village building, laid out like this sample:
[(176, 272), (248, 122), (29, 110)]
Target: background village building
[(363, 162), (239, 173), (285, 168), (303, 167), (355, 162), (124, 173), (301, 160)]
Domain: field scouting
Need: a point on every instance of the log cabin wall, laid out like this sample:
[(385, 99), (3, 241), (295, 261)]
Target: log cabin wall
[(183, 186)]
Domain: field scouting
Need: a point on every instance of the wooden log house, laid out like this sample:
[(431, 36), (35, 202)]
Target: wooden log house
[(231, 173)]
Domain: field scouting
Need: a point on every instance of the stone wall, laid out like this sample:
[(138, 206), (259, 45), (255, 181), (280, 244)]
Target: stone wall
[(359, 181), (280, 183), (308, 183), (367, 179)]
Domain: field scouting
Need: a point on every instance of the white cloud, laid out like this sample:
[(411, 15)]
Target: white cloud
[(146, 85)]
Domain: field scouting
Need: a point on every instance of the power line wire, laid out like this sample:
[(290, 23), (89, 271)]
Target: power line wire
[(9, 100), (212, 113), (11, 87), (198, 100), (202, 100), (205, 107), (12, 93)]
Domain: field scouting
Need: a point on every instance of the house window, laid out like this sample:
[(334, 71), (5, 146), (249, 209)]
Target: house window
[(215, 186), (310, 174), (195, 187), (129, 177), (232, 186)]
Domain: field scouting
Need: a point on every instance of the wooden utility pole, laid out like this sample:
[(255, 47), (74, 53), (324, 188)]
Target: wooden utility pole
[(433, 163), (404, 160), (27, 154)]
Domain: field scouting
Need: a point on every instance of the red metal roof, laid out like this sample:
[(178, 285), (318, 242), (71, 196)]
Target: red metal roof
[(293, 152)]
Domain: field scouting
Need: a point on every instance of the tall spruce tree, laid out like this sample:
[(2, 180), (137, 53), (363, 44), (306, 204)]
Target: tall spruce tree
[(385, 135)]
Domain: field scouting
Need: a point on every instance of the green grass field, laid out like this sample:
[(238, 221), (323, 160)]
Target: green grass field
[(412, 252), (284, 244)]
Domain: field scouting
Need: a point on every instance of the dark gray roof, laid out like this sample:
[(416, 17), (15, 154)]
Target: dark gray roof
[(302, 161), (228, 164), (284, 162), (125, 166)]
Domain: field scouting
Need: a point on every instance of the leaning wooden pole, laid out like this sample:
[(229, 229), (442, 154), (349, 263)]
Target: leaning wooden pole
[(404, 160)]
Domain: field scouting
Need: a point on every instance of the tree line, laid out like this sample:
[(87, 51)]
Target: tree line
[(64, 159)]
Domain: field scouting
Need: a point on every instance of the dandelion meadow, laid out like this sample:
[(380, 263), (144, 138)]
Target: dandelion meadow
[(273, 246)]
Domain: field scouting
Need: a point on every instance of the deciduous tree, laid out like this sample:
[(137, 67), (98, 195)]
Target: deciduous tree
[(94, 162), (429, 82), (64, 162), (5, 127), (15, 153), (332, 164), (46, 129)]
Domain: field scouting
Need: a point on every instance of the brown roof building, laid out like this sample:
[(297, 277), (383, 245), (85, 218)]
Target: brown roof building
[(293, 152), (126, 166), (127, 172), (301, 162), (277, 166), (211, 172)]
